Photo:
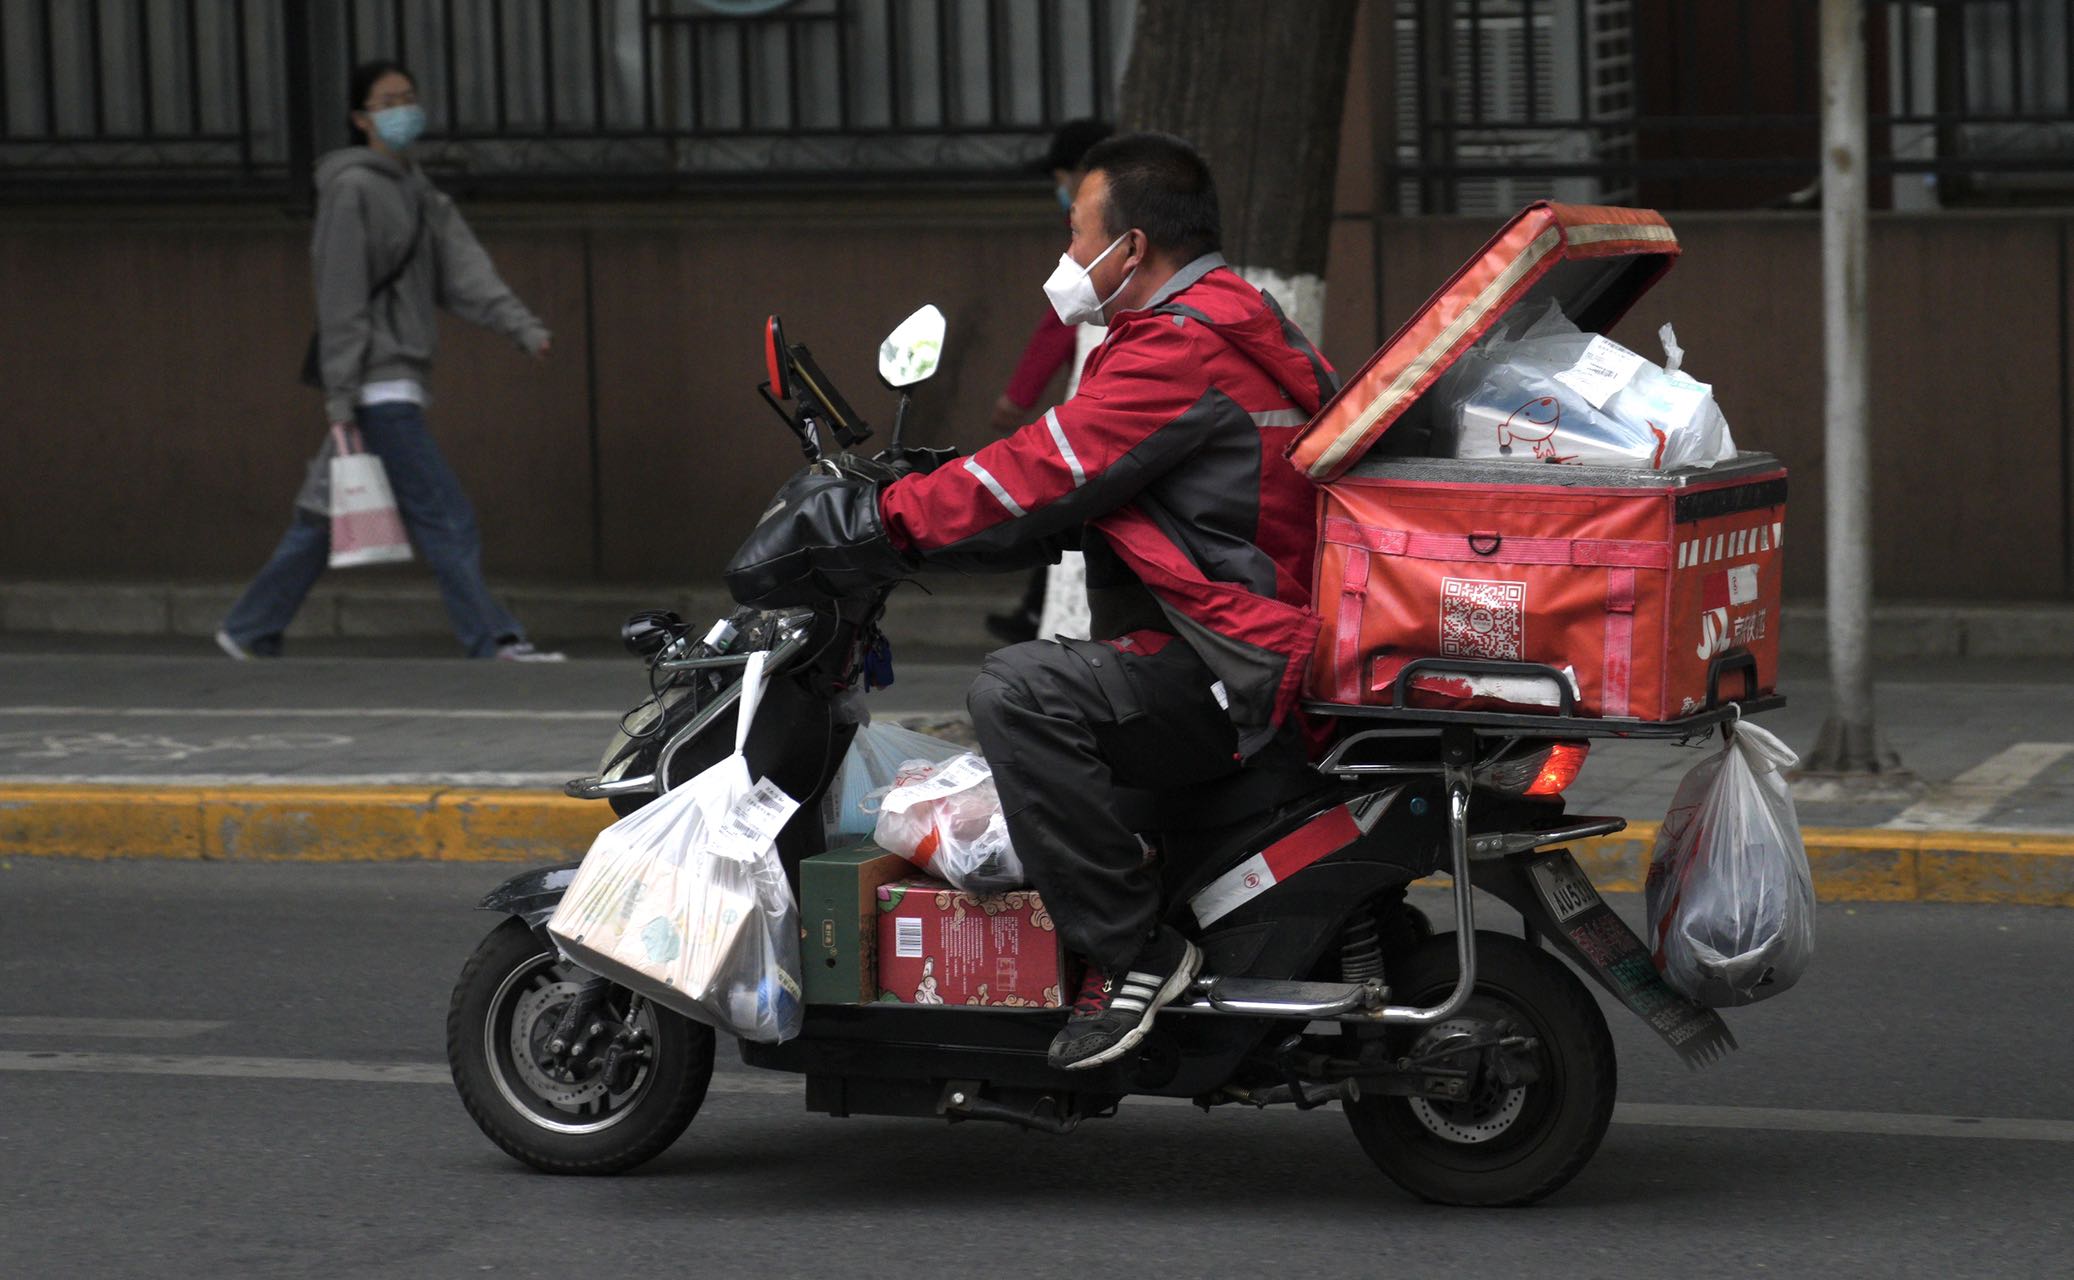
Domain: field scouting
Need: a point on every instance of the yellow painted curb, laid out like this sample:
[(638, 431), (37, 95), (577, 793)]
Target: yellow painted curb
[(296, 824), (347, 824), (1872, 864)]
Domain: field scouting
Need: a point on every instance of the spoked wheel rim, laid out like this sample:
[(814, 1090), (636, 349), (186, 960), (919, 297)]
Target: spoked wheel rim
[(522, 1016)]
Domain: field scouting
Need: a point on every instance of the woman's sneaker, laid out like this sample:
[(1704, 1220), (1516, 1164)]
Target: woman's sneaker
[(1112, 1015), (523, 651)]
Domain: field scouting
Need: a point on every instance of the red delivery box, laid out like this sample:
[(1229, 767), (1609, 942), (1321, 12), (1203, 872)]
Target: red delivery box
[(939, 945), (1640, 594)]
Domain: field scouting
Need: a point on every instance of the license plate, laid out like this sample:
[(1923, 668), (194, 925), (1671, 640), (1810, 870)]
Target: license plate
[(1564, 887)]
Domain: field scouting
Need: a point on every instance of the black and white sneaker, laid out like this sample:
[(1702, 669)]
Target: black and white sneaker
[(1112, 1015)]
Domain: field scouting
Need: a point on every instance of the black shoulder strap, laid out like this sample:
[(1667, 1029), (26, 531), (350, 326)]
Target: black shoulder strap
[(396, 273)]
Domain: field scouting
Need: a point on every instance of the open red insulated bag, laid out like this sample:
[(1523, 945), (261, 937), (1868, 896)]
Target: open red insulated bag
[(1649, 594)]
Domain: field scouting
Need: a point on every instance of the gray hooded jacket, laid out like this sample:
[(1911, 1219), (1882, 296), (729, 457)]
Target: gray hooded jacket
[(367, 204)]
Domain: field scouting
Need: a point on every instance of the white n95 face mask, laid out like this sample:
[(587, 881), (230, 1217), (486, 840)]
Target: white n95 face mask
[(1072, 292)]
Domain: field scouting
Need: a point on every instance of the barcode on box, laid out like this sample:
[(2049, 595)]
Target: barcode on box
[(907, 938)]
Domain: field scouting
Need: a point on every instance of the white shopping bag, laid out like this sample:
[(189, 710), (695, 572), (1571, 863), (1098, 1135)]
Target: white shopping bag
[(1730, 900), (685, 899), (365, 526)]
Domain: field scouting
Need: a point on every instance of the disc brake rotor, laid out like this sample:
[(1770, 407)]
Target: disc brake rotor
[(1485, 1114), (533, 1017)]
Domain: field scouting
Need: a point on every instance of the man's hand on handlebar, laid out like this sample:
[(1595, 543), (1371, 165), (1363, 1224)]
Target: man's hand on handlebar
[(887, 465)]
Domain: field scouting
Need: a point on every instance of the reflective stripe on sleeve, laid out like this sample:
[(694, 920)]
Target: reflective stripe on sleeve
[(1058, 436), (993, 486)]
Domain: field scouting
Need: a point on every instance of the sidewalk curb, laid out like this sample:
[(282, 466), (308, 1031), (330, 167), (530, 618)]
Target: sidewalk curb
[(296, 824), (1873, 864), (377, 824)]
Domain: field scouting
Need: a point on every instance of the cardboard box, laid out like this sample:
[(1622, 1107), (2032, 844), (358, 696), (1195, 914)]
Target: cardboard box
[(838, 916), (938, 945)]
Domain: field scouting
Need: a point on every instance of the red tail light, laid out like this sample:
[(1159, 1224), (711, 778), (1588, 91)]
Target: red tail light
[(1559, 770)]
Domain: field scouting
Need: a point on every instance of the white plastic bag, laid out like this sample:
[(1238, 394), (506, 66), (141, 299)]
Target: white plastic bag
[(1731, 902), (685, 901), (870, 770), (946, 819), (365, 525), (1555, 394)]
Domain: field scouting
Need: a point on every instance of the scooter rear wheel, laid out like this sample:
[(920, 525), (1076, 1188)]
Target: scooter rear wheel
[(509, 995), (1501, 1146)]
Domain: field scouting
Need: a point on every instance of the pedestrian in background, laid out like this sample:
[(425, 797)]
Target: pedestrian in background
[(1055, 600), (388, 250)]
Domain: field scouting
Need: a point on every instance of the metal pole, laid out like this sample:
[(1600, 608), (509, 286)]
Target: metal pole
[(299, 86), (1847, 743)]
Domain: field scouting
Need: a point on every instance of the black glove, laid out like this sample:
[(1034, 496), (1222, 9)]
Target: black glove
[(820, 540), (911, 461)]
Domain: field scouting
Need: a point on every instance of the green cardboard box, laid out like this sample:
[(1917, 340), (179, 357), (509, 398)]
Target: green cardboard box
[(838, 914)]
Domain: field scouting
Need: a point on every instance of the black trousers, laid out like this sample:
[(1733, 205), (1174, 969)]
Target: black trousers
[(1064, 725)]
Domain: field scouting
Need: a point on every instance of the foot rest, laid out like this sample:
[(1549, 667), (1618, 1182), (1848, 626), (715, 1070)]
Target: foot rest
[(1267, 997)]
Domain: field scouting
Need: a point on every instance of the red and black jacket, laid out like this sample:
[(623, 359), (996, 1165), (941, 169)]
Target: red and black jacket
[(1168, 467)]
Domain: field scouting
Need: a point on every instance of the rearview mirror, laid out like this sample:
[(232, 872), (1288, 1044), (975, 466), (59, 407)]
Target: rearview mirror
[(911, 352)]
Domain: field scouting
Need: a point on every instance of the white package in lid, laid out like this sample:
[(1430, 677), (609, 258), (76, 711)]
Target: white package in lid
[(946, 819), (685, 900), (1553, 393)]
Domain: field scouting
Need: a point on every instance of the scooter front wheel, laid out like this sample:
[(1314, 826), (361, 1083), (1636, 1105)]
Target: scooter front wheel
[(1502, 1145), (557, 1117)]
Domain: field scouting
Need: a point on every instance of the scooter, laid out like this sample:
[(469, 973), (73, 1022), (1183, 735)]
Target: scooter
[(1474, 1067)]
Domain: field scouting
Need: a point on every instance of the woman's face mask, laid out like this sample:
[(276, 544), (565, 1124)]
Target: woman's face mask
[(1072, 290), (398, 127)]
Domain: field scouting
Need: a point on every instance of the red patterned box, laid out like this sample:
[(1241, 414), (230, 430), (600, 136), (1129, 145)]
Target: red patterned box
[(938, 945)]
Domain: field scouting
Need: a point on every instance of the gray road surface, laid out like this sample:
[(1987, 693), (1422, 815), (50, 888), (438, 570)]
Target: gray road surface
[(215, 1070)]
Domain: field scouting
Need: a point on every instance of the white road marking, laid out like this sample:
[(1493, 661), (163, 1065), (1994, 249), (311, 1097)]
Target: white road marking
[(1888, 1123), (312, 713), (106, 1028), (1968, 798), (141, 1064), (552, 781), (1774, 1119)]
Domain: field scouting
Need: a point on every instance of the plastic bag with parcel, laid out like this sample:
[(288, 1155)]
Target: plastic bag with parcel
[(1552, 393)]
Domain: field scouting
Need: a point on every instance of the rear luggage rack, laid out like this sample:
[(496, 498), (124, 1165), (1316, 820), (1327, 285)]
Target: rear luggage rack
[(1564, 722)]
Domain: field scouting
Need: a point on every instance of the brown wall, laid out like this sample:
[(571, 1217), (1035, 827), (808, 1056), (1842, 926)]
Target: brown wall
[(150, 425)]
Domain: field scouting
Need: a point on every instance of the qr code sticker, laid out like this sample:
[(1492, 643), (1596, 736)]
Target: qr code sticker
[(1483, 619)]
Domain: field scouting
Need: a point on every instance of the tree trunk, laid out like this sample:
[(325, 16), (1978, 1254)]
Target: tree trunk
[(1257, 86)]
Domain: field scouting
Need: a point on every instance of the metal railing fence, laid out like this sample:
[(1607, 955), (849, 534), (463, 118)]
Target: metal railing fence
[(238, 95)]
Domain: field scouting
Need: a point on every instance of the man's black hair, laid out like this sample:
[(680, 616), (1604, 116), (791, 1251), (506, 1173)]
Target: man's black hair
[(362, 82), (1070, 143), (1160, 185)]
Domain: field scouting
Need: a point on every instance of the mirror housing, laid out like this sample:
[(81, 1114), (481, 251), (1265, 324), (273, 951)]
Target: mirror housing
[(912, 352), (650, 631)]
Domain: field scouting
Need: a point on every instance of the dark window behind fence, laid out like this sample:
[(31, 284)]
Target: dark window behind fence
[(238, 94), (1715, 103), (1676, 103)]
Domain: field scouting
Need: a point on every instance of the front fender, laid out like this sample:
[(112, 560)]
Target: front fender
[(532, 896)]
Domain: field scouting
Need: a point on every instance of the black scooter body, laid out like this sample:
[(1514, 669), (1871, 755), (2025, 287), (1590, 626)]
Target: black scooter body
[(892, 1059)]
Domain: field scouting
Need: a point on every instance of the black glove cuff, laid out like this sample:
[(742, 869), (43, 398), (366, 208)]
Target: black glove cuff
[(820, 540)]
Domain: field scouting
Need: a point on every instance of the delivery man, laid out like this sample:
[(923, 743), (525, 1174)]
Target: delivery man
[(1167, 470)]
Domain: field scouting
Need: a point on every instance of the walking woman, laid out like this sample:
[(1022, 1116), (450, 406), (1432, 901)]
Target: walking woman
[(388, 248)]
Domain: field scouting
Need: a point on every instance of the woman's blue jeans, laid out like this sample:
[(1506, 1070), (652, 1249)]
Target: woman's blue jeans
[(442, 527)]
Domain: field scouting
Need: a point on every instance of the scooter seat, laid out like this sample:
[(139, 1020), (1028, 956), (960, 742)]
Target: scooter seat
[(1269, 779)]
